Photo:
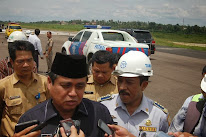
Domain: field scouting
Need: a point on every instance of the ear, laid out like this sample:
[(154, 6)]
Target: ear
[(144, 85), (113, 67), (49, 83), (12, 62)]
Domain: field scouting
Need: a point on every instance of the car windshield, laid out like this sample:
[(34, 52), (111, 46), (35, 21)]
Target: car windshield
[(142, 35), (112, 36), (15, 27)]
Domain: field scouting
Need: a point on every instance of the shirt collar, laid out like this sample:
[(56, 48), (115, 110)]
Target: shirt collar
[(15, 78), (82, 108), (144, 106), (112, 79), (52, 111)]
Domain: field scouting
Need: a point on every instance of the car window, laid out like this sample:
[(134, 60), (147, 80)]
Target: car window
[(113, 36), (15, 27), (142, 35), (86, 36), (77, 37)]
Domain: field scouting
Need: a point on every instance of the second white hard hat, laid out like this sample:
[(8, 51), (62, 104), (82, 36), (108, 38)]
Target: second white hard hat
[(203, 84), (28, 32), (16, 35), (134, 64)]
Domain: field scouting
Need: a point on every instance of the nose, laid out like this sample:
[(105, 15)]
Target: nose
[(26, 64), (72, 92), (100, 75), (122, 85)]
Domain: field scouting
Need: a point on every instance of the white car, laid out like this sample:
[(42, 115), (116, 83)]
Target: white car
[(88, 41)]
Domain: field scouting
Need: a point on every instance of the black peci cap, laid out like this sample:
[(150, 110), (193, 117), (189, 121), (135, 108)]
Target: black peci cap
[(71, 66)]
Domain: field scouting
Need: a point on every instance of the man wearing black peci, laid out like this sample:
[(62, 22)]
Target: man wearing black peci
[(66, 84)]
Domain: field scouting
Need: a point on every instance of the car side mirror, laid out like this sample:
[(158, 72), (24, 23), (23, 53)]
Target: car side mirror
[(70, 38)]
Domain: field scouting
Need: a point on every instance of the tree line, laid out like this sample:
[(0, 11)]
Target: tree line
[(152, 26)]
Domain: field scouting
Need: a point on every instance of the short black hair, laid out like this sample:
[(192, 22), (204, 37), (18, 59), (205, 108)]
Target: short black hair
[(49, 32), (37, 31), (117, 56), (52, 76), (143, 78), (20, 45), (204, 70), (102, 57)]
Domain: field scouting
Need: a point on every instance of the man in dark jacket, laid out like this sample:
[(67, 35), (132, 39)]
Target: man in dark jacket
[(66, 84)]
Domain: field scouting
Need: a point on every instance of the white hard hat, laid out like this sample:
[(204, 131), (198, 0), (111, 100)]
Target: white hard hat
[(28, 32), (203, 84), (17, 35), (134, 64)]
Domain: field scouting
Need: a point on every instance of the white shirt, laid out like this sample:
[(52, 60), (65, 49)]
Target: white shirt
[(36, 42), (138, 122)]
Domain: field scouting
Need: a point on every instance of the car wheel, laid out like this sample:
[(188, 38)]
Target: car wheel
[(64, 51), (90, 66)]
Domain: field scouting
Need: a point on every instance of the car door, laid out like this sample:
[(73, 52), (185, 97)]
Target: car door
[(74, 48), (78, 42)]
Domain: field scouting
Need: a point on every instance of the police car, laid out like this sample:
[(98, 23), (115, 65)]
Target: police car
[(95, 37)]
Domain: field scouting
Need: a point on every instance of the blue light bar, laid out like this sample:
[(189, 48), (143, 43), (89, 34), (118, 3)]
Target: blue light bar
[(97, 27)]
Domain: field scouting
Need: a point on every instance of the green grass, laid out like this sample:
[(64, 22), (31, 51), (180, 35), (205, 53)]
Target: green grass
[(55, 27), (167, 39)]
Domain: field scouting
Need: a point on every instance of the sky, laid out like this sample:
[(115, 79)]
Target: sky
[(182, 12)]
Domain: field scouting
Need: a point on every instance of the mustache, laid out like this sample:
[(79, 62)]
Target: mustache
[(124, 92)]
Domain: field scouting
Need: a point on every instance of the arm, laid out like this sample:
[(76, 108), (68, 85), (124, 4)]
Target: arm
[(39, 48), (119, 131), (165, 123), (51, 43), (181, 134), (178, 120)]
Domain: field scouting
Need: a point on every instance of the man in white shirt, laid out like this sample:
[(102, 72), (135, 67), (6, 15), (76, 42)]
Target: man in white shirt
[(33, 38)]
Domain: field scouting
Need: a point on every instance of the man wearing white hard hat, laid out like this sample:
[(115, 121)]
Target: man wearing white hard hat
[(130, 108), (6, 68), (191, 117), (28, 33)]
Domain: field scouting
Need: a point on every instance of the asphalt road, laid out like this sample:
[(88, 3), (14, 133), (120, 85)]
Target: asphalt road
[(177, 72)]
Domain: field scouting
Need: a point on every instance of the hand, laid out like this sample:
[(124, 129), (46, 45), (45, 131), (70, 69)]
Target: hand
[(119, 131), (73, 132), (181, 134), (32, 134)]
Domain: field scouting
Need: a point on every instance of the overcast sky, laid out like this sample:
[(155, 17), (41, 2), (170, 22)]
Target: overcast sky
[(193, 12)]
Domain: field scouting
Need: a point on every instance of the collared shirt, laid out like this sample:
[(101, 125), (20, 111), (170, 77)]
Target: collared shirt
[(6, 68), (93, 90), (88, 112), (16, 98), (177, 124), (146, 120), (49, 44), (36, 42)]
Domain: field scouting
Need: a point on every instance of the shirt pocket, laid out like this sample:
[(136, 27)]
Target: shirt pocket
[(14, 106), (42, 96)]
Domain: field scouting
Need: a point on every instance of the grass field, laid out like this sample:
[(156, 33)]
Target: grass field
[(162, 39), (57, 27), (168, 39)]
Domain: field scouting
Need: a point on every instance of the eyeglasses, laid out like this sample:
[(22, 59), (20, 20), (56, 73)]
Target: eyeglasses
[(23, 61)]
